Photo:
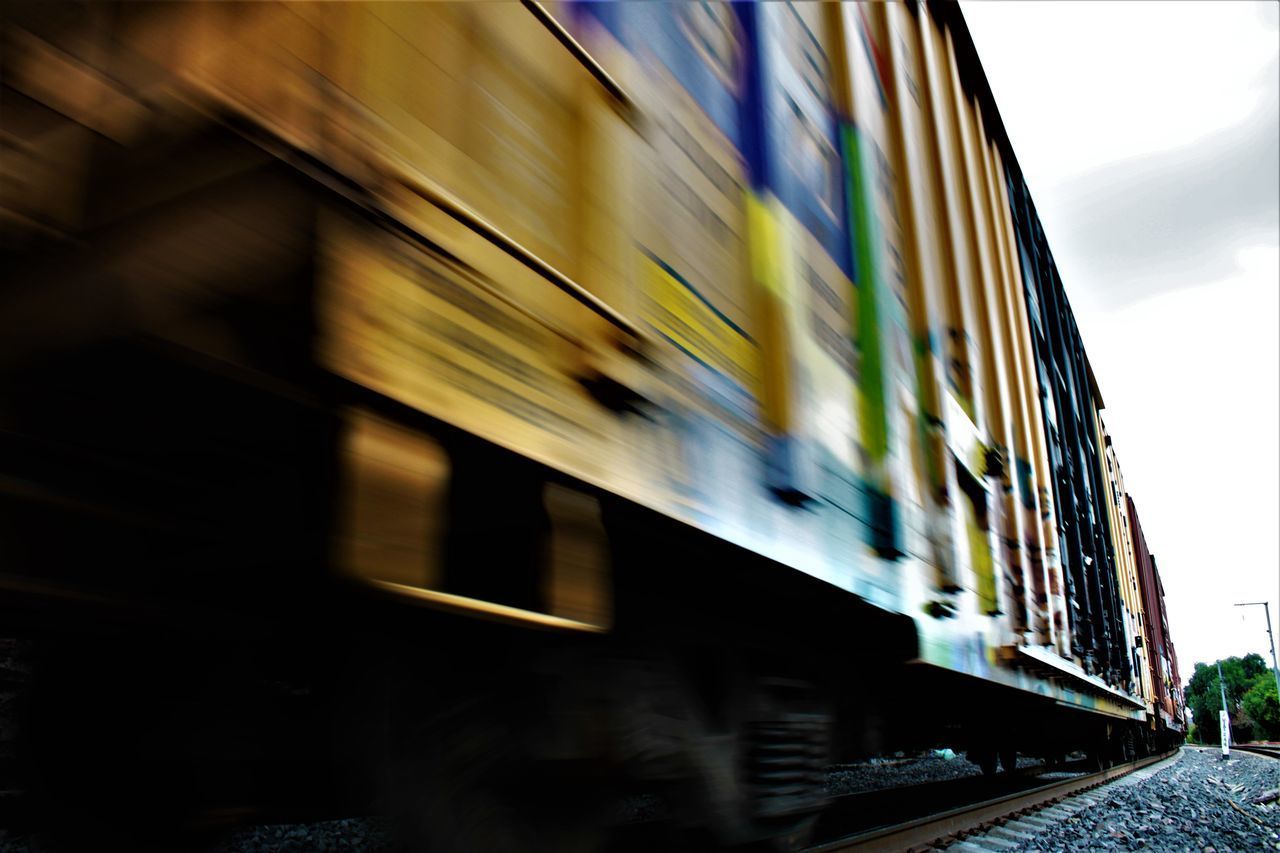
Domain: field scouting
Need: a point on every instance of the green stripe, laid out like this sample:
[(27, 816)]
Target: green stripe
[(860, 188)]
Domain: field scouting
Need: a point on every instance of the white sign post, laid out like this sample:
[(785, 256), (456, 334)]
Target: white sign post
[(1224, 721)]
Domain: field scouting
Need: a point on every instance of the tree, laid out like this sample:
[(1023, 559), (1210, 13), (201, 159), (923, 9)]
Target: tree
[(1262, 706), (1205, 700)]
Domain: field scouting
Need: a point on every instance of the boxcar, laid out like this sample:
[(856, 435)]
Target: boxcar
[(410, 407)]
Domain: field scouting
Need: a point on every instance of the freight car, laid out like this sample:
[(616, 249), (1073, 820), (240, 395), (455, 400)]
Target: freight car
[(487, 412), (1168, 719), (1154, 662)]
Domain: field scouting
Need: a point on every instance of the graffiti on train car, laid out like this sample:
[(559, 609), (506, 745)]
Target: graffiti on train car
[(405, 324), (801, 253), (688, 320)]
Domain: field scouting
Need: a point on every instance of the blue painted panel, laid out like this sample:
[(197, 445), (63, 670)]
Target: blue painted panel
[(701, 44), (796, 152)]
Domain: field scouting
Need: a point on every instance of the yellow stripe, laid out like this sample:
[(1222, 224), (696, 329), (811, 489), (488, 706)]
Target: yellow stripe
[(766, 244), (767, 241), (680, 315)]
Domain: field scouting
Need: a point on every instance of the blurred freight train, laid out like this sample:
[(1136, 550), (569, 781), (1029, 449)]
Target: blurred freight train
[(490, 412)]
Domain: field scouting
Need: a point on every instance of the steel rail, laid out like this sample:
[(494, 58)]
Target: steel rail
[(1270, 750), (926, 832)]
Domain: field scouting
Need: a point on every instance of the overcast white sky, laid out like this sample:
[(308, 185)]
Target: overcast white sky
[(1150, 136)]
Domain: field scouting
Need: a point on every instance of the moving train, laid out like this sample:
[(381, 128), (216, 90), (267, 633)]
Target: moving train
[(493, 413)]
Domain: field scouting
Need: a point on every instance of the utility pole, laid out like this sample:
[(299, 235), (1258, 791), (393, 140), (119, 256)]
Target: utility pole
[(1275, 670), (1224, 718)]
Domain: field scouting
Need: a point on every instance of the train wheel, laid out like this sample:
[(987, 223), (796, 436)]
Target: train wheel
[(985, 758), (1009, 759), (1128, 746), (746, 774), (1098, 756)]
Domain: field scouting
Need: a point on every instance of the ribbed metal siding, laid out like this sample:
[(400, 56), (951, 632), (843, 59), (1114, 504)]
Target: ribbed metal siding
[(1067, 401)]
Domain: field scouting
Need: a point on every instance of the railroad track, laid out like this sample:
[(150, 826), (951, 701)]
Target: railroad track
[(1022, 794), (1271, 750)]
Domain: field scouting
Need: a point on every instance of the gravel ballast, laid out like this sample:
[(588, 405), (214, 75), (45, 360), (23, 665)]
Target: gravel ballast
[(877, 773), (362, 834), (1197, 802), (365, 834)]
